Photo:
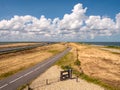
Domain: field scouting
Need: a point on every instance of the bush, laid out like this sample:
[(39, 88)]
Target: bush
[(66, 67), (77, 62)]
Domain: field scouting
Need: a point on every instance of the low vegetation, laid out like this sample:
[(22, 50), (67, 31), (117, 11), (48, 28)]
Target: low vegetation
[(78, 63), (10, 45), (66, 62), (15, 62), (115, 47), (69, 62)]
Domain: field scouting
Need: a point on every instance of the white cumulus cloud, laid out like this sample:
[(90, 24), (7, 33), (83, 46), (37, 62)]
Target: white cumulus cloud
[(73, 26)]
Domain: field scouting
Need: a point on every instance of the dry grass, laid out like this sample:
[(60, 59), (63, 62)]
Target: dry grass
[(99, 66), (15, 45), (12, 63), (98, 63)]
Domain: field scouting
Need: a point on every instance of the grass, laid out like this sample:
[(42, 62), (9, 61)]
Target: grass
[(11, 72), (26, 59), (4, 75), (22, 87), (94, 80), (115, 47), (53, 51), (67, 62)]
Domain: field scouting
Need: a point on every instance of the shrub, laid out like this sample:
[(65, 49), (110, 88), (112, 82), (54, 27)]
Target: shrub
[(77, 62), (66, 67)]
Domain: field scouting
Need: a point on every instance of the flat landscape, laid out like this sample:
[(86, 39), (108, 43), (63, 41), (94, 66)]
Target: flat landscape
[(98, 63), (52, 74), (15, 62), (15, 45), (97, 66), (41, 38)]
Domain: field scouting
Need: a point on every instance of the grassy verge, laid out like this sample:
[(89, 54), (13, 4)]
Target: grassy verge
[(9, 73), (115, 47), (4, 75), (51, 50), (54, 51), (22, 87), (67, 62), (94, 80)]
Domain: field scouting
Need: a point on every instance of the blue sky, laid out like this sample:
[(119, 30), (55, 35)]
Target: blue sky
[(58, 8)]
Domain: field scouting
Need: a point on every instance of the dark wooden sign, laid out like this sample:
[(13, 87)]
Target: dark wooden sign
[(67, 74)]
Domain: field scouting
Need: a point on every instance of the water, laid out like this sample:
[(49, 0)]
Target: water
[(104, 43), (95, 43)]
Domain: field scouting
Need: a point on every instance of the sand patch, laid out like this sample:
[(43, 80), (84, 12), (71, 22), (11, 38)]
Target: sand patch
[(53, 73)]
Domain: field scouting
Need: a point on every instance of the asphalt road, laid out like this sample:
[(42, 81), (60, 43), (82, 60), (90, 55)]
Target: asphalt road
[(24, 77), (21, 48)]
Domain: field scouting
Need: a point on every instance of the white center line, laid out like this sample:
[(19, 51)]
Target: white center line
[(16, 79), (3, 86), (28, 73)]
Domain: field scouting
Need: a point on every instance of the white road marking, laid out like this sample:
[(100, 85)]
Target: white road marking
[(36, 69), (15, 79), (41, 66), (3, 86), (27, 73)]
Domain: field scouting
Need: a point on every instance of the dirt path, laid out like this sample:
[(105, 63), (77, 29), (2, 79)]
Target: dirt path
[(52, 75)]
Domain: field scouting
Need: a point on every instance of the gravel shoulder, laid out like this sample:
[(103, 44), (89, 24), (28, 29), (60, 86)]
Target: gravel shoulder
[(52, 74)]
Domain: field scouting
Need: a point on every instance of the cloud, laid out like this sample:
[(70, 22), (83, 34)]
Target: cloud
[(74, 26), (75, 19)]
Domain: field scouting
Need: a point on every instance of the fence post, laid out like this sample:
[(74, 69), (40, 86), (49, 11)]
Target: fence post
[(47, 82), (77, 79), (29, 87), (70, 73)]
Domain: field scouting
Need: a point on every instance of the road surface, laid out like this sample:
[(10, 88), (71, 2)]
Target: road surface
[(21, 48), (24, 77)]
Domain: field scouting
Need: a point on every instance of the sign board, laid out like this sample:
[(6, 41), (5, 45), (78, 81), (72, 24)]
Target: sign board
[(67, 74)]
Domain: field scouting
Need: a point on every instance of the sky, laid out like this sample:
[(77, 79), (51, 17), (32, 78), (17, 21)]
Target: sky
[(60, 20)]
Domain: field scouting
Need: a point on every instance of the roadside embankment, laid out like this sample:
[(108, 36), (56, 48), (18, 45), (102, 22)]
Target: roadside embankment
[(15, 62), (95, 65)]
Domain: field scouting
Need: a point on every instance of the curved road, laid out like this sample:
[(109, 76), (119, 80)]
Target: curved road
[(24, 77)]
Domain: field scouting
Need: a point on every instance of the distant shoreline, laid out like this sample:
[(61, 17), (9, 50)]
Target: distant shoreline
[(102, 43), (90, 43)]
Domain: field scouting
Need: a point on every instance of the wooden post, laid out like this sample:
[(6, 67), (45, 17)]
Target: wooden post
[(29, 87), (46, 81), (77, 79), (70, 73)]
